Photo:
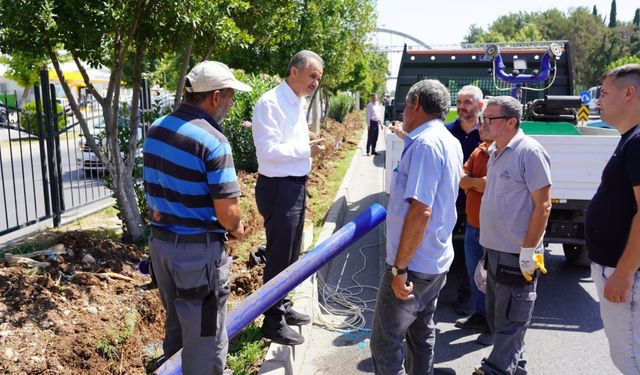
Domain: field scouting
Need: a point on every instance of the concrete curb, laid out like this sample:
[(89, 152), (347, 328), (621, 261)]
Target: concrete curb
[(284, 359)]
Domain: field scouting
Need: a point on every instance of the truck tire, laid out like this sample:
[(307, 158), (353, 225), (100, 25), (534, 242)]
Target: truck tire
[(576, 255)]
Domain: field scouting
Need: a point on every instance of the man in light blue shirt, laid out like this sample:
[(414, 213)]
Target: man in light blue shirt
[(420, 218)]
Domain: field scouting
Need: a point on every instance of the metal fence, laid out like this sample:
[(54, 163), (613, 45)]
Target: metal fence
[(45, 167)]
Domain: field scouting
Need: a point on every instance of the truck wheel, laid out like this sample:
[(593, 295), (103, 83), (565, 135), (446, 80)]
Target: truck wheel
[(576, 254)]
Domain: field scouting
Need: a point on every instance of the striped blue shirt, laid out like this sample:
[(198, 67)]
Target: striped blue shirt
[(187, 164)]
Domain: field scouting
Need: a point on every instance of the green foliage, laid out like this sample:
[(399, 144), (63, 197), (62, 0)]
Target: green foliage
[(340, 105), (636, 20), (613, 18), (336, 30), (246, 350), (623, 61), (368, 75), (235, 129), (593, 44), (29, 118), (112, 345)]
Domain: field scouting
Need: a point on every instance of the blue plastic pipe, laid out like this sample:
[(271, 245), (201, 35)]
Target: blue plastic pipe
[(263, 298)]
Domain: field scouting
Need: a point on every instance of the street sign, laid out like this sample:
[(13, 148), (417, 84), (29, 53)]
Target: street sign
[(585, 97), (583, 113)]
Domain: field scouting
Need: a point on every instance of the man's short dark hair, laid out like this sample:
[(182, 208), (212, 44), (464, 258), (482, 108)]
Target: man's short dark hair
[(434, 98), (196, 98), (629, 72), (301, 59)]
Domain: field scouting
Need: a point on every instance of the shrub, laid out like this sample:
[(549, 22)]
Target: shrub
[(29, 118), (236, 129), (340, 105)]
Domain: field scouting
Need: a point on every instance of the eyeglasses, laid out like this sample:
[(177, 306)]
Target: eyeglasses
[(487, 119)]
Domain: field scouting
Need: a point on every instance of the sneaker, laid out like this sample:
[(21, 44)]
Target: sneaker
[(294, 318), (476, 322), (375, 153), (485, 338), (283, 334)]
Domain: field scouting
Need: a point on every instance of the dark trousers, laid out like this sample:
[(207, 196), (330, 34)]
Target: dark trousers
[(395, 321), (509, 306), (281, 202), (372, 135)]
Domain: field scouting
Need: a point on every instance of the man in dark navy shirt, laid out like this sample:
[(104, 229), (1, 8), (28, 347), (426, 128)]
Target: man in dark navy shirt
[(612, 226), (465, 129)]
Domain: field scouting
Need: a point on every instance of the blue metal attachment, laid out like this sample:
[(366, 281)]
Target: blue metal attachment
[(263, 298), (517, 79)]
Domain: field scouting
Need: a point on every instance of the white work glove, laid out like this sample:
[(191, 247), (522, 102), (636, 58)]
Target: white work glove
[(480, 276), (531, 258)]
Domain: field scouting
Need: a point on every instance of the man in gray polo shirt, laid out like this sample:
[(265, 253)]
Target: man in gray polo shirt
[(513, 215)]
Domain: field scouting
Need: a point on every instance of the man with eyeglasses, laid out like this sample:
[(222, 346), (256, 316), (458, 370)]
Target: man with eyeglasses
[(513, 215), (465, 129)]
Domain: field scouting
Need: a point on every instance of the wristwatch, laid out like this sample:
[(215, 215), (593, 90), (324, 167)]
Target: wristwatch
[(395, 271)]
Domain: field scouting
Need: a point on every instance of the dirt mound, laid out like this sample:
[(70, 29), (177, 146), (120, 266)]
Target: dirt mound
[(91, 312)]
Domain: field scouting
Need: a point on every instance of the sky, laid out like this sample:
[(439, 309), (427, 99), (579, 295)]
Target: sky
[(433, 21)]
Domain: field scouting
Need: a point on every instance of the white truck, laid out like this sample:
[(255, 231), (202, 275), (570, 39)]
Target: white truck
[(578, 154)]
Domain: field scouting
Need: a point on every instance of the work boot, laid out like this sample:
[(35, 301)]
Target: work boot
[(294, 318), (279, 332), (476, 322), (485, 338)]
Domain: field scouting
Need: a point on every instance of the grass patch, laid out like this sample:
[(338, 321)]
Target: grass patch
[(246, 351), (111, 346)]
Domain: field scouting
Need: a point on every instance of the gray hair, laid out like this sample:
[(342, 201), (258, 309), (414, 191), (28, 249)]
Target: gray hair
[(629, 72), (471, 90), (301, 59), (433, 96), (509, 106)]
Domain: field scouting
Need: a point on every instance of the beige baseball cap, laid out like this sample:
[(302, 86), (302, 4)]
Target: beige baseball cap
[(213, 75)]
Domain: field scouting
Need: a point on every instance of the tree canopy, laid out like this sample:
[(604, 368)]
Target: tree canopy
[(133, 37), (593, 44)]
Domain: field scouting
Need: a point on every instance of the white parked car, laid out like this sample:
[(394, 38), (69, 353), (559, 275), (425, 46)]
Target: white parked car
[(87, 160)]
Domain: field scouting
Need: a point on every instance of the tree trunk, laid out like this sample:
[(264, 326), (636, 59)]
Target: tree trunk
[(130, 213), (25, 95), (183, 71)]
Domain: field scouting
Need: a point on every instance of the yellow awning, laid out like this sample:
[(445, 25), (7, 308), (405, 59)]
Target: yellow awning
[(74, 78)]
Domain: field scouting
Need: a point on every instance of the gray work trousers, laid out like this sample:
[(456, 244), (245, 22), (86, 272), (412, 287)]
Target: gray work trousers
[(395, 320), (509, 301), (193, 280)]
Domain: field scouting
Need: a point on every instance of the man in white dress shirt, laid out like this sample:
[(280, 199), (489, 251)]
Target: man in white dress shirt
[(374, 115), (281, 136)]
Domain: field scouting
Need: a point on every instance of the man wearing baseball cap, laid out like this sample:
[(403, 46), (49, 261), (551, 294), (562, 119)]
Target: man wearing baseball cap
[(192, 192)]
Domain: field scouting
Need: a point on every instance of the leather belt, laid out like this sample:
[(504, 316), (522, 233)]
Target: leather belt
[(201, 238), (302, 179)]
